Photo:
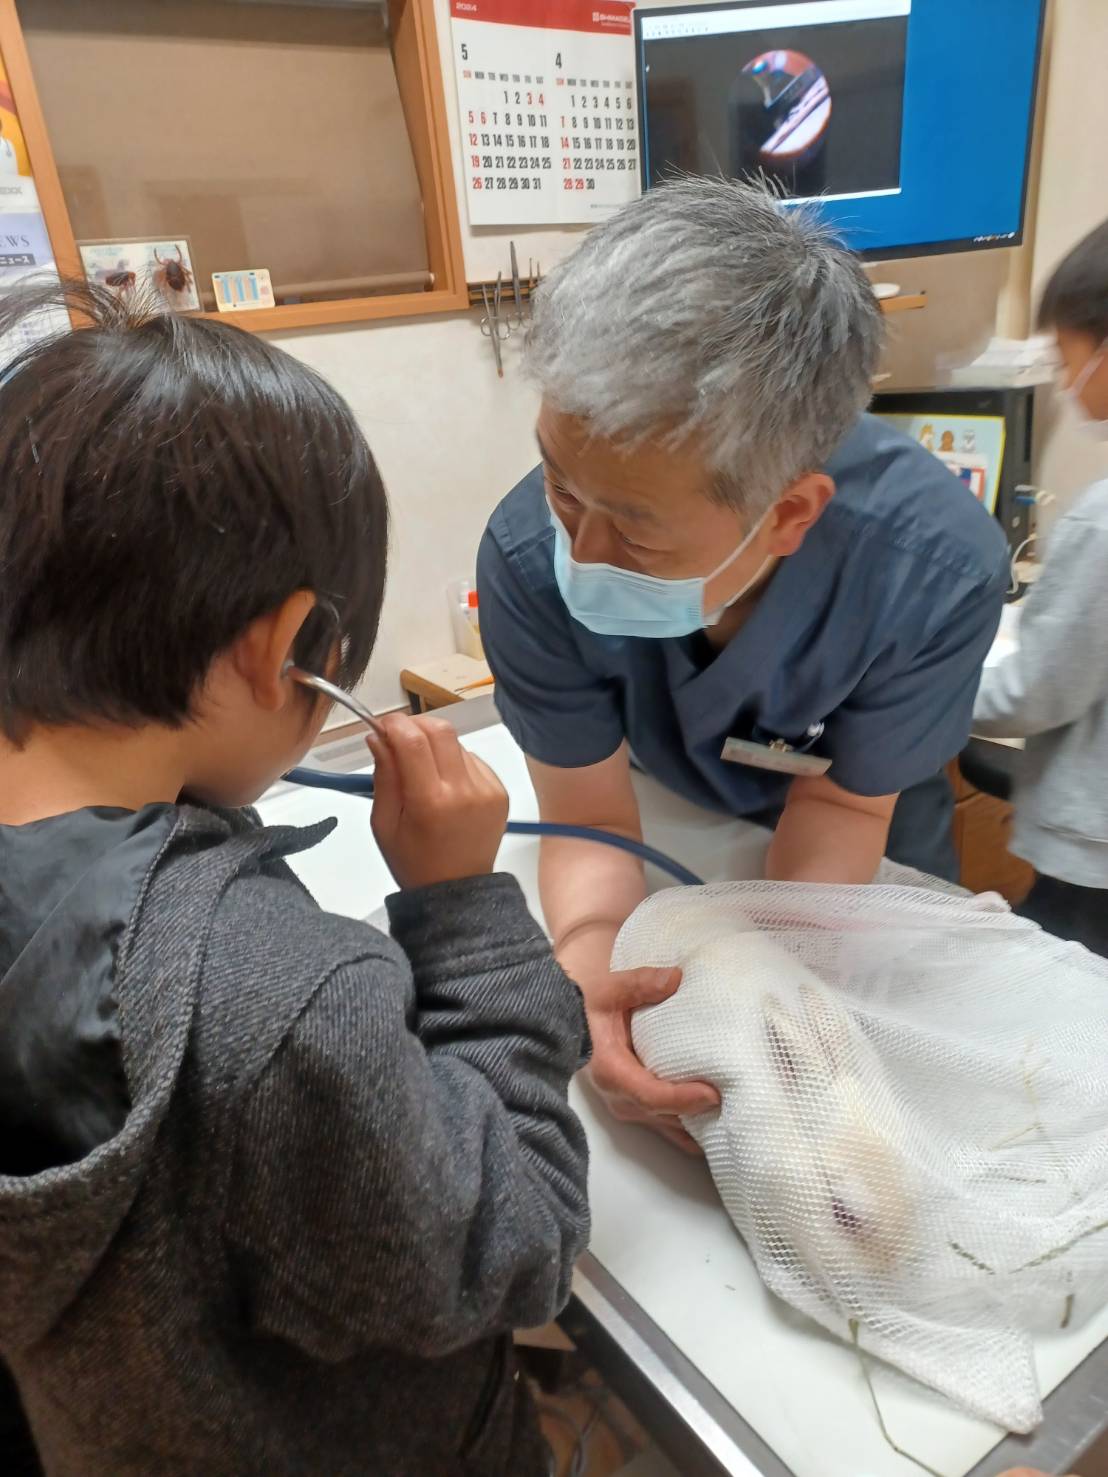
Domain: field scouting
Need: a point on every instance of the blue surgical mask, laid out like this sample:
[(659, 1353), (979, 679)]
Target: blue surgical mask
[(1094, 428), (622, 602)]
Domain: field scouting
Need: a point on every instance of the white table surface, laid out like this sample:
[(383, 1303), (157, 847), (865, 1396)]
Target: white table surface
[(658, 1226)]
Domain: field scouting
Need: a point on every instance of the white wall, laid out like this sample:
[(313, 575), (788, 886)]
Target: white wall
[(958, 321), (452, 439)]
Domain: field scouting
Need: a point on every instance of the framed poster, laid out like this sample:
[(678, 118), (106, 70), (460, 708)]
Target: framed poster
[(972, 446), (548, 115)]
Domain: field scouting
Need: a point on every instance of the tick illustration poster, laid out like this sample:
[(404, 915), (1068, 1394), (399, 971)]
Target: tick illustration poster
[(135, 266)]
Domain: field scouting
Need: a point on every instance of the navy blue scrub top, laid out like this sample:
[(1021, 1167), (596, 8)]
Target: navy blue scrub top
[(877, 627)]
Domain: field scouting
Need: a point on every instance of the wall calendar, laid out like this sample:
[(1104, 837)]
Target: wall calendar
[(546, 94)]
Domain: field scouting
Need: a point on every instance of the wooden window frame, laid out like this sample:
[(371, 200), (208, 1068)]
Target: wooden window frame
[(418, 74)]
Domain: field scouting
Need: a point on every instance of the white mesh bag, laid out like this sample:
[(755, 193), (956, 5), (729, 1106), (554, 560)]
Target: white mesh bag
[(913, 1140)]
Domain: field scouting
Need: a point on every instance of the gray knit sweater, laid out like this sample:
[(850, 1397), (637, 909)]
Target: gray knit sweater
[(1054, 693), (347, 1169)]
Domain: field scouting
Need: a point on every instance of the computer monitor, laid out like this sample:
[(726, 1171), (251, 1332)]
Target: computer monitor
[(908, 120)]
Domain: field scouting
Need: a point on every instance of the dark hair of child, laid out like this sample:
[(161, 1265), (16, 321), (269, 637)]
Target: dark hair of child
[(1076, 296), (164, 480)]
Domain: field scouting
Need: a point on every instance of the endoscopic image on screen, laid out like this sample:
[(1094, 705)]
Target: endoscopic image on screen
[(817, 108)]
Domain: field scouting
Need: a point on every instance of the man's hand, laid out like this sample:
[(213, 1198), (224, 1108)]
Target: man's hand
[(438, 813), (633, 1094), (587, 893)]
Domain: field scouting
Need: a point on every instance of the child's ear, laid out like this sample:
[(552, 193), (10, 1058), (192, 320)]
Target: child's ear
[(264, 649)]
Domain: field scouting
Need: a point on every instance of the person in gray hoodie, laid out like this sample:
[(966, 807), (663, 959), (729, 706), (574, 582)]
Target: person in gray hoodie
[(1054, 690), (275, 1188)]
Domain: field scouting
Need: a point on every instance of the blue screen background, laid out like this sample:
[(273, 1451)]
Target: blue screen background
[(968, 96)]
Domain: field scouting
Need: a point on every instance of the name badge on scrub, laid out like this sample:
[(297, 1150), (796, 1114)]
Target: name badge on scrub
[(777, 755)]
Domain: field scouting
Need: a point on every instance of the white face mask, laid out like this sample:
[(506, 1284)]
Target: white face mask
[(623, 602), (1097, 429)]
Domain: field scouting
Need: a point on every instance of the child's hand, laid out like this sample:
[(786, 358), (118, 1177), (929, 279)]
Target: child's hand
[(438, 813)]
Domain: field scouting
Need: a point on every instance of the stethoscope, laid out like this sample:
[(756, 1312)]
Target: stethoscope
[(362, 785)]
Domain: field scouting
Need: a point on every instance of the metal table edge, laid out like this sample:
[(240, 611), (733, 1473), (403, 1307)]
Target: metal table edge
[(603, 1315)]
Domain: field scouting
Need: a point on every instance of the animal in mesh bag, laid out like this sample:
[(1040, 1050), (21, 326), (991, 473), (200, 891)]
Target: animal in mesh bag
[(913, 1136)]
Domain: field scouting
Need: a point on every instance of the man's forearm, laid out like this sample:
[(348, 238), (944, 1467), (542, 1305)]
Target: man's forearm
[(588, 892), (819, 838)]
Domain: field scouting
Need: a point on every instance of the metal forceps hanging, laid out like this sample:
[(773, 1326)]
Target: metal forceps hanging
[(493, 325), (517, 289)]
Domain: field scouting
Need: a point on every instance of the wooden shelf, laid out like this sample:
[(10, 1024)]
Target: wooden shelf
[(415, 54), (907, 302)]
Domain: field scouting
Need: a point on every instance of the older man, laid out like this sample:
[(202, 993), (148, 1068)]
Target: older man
[(719, 546)]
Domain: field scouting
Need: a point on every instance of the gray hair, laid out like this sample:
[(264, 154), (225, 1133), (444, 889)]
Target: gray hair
[(709, 310)]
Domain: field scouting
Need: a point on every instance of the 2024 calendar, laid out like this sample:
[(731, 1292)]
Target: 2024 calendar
[(549, 132)]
